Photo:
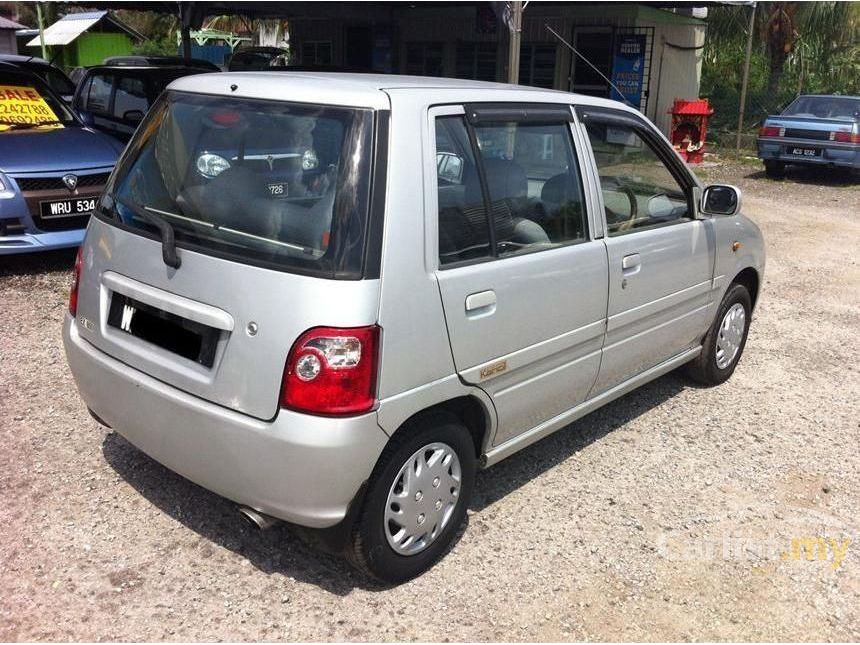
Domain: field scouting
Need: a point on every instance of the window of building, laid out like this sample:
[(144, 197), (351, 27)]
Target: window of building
[(537, 65), (476, 61), (424, 59), (316, 52)]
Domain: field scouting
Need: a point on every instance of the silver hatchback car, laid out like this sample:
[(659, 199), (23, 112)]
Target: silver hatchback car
[(332, 298)]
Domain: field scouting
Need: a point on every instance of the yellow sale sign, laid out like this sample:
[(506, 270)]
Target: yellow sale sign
[(20, 104)]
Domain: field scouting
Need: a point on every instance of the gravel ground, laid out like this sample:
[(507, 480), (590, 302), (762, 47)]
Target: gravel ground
[(663, 516)]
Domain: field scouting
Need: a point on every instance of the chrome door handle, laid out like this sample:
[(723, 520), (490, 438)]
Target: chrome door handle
[(631, 264), (480, 301)]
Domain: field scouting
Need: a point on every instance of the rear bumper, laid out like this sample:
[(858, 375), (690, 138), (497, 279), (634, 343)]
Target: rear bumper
[(30, 242), (844, 156), (300, 468)]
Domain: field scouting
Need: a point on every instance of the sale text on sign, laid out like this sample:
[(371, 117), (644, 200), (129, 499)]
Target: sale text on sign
[(19, 104)]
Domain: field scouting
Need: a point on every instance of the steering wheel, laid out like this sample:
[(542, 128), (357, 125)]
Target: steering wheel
[(612, 184)]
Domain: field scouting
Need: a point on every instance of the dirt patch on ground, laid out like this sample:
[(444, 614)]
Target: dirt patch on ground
[(675, 513)]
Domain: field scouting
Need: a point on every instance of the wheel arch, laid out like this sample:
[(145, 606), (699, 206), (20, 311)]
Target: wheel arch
[(749, 278), (467, 409)]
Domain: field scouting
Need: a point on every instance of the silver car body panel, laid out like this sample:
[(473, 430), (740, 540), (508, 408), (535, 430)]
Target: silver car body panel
[(297, 467), (570, 337), (247, 371)]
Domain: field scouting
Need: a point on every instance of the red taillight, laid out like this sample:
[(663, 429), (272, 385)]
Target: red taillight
[(76, 282), (332, 371), (845, 137), (771, 131)]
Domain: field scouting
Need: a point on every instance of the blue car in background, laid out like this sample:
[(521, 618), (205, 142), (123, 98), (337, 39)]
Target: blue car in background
[(52, 167), (814, 130)]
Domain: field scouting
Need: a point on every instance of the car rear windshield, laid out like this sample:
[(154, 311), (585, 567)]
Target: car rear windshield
[(281, 185), (26, 103), (825, 107)]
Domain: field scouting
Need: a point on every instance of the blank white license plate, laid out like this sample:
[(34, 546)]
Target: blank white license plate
[(67, 207)]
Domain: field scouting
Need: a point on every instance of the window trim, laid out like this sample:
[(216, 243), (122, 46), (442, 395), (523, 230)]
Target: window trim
[(560, 113), (660, 148)]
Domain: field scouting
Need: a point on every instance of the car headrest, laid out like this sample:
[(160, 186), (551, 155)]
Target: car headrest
[(506, 180)]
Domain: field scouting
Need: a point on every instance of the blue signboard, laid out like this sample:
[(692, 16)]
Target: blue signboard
[(628, 68)]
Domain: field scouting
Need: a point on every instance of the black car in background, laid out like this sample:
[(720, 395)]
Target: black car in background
[(49, 73), (257, 58), (115, 98)]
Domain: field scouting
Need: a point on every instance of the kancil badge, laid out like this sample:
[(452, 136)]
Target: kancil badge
[(628, 68)]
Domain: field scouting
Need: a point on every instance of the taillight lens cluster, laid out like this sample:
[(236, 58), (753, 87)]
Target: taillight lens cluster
[(332, 371), (771, 131), (845, 137), (76, 282)]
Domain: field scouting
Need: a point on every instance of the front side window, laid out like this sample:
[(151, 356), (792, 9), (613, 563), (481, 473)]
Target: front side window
[(524, 174), (639, 191), (98, 94), (277, 184)]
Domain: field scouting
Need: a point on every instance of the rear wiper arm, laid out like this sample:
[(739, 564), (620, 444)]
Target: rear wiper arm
[(168, 236)]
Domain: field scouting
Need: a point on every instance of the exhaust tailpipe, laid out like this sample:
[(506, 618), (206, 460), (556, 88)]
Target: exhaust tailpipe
[(257, 519)]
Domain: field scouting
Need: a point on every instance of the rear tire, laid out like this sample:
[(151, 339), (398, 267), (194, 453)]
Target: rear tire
[(774, 169), (412, 512), (725, 341)]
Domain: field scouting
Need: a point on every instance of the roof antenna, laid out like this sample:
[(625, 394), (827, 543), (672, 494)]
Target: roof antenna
[(575, 51)]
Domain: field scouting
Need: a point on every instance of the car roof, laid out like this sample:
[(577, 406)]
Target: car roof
[(146, 69), (368, 90), (18, 59), (828, 96)]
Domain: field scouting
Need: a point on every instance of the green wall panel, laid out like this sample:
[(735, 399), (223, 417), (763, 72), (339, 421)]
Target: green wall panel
[(93, 48)]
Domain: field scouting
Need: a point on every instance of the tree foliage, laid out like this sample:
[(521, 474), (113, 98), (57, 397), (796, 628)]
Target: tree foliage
[(798, 47)]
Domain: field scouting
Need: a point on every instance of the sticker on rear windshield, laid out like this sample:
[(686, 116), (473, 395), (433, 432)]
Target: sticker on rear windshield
[(19, 104), (278, 190)]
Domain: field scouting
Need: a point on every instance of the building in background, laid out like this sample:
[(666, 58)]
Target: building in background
[(653, 55), (8, 43), (82, 39)]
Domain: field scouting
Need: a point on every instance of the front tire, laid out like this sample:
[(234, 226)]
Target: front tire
[(725, 340), (416, 499)]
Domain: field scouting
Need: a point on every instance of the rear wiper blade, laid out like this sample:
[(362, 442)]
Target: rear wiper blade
[(168, 236)]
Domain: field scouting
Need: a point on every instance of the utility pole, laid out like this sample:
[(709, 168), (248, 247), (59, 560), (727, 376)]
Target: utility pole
[(746, 77), (41, 24), (514, 42)]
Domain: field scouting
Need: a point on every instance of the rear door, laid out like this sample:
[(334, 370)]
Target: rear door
[(661, 258), (524, 290)]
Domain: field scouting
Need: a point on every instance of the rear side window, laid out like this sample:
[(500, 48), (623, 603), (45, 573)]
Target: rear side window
[(523, 174), (270, 183), (130, 97)]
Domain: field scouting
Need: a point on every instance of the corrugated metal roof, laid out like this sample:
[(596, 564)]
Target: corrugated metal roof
[(68, 28), (5, 23)]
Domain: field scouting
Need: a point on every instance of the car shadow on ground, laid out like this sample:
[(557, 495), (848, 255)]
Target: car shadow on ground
[(813, 175), (280, 550), (41, 262), (507, 476)]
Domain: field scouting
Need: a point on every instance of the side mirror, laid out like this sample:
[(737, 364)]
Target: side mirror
[(721, 199), (135, 116)]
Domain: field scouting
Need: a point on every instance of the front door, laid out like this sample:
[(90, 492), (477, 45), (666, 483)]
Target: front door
[(524, 289), (661, 258)]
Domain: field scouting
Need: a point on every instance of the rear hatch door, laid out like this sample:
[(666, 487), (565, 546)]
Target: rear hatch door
[(269, 206)]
